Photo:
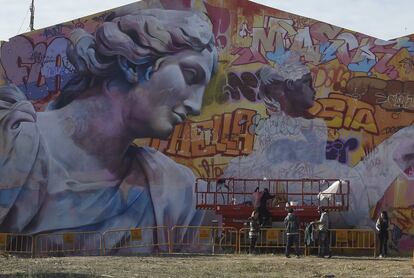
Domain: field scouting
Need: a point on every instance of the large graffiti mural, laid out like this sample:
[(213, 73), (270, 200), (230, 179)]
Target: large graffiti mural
[(108, 120)]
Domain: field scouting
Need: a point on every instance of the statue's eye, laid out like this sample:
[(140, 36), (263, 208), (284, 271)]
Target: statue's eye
[(190, 75), (193, 73), (15, 125)]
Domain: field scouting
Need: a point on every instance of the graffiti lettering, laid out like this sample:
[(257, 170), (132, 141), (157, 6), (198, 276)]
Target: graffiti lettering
[(39, 70), (227, 134), (338, 149), (54, 31), (245, 85), (328, 77), (257, 124), (303, 44), (244, 30), (101, 17), (299, 170), (391, 95), (78, 23), (388, 51), (340, 111), (318, 44), (403, 218), (391, 129), (220, 18), (247, 56), (333, 134), (211, 169)]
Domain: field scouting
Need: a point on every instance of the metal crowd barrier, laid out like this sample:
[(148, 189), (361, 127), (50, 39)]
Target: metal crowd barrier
[(204, 239), (268, 238), (350, 239), (136, 240), (184, 239), (340, 239), (70, 243), (16, 244)]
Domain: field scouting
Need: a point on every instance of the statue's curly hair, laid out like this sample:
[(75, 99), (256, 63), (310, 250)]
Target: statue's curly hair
[(132, 45), (272, 81)]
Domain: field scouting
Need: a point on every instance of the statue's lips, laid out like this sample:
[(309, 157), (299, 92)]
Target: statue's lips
[(180, 117)]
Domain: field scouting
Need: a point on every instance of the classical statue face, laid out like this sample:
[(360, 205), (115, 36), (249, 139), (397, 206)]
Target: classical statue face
[(301, 93), (174, 91)]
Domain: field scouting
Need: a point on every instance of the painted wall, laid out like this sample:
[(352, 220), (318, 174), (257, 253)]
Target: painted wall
[(291, 97)]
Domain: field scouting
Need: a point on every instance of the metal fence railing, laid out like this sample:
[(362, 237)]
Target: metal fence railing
[(137, 240), (70, 243), (350, 239), (204, 239), (178, 239), (339, 239), (268, 239), (16, 244)]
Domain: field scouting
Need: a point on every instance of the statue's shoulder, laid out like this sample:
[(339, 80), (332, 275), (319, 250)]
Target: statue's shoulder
[(155, 163), (11, 94)]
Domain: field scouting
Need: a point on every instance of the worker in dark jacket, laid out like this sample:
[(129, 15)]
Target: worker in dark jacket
[(292, 232), (263, 211), (382, 228)]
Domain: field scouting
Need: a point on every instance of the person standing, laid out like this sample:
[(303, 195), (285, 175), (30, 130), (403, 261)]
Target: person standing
[(324, 239), (256, 198), (254, 230), (382, 228), (263, 211), (292, 232)]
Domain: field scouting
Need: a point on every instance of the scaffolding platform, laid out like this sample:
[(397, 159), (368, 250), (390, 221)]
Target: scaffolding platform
[(233, 198)]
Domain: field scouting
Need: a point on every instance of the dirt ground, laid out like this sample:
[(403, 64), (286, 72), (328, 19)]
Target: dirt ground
[(206, 266)]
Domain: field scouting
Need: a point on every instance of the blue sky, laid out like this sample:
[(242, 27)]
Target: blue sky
[(384, 19)]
